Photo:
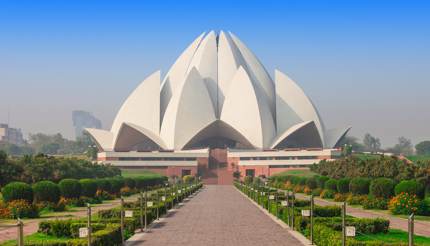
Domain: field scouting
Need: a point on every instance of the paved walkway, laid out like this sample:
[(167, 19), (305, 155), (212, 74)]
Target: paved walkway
[(218, 215), (421, 228)]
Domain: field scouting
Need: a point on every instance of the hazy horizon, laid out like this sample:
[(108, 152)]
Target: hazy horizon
[(363, 63)]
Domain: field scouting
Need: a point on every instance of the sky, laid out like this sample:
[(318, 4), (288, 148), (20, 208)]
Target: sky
[(365, 64)]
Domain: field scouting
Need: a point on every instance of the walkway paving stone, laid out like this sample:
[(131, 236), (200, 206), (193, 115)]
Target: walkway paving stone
[(218, 215)]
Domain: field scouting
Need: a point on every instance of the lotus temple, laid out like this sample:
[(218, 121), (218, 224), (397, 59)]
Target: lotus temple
[(217, 111)]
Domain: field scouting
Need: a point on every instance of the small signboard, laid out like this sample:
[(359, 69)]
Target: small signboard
[(271, 197), (252, 189), (149, 204), (163, 198), (128, 213), (179, 191), (173, 193), (284, 203), (306, 213), (83, 232), (350, 231)]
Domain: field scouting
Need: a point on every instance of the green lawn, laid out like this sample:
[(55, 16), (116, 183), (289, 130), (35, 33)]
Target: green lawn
[(300, 173), (415, 158), (394, 236), (137, 173), (39, 238)]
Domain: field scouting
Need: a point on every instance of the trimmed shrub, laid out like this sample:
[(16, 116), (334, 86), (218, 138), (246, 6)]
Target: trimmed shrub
[(355, 199), (327, 211), (331, 184), (312, 183), (321, 181), (359, 186), (17, 191), (22, 209), (129, 182), (404, 203), (248, 180), (411, 187), (46, 191), (382, 188), (70, 188), (375, 203), (116, 184), (327, 194), (188, 179), (343, 185), (88, 187), (104, 185)]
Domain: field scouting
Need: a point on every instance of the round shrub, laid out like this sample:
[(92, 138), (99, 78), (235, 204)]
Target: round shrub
[(116, 184), (327, 194), (359, 186), (411, 187), (321, 181), (130, 183), (331, 184), (382, 188), (70, 188), (88, 187), (312, 183), (404, 203), (248, 180), (188, 179), (46, 191), (104, 185), (343, 185), (17, 191)]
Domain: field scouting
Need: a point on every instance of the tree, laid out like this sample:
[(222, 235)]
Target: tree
[(404, 147), (371, 143), (353, 142), (423, 148)]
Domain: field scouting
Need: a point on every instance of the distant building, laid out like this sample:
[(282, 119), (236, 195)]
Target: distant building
[(82, 119), (11, 135)]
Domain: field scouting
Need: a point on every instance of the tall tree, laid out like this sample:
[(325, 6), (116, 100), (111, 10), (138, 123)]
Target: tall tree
[(403, 147), (423, 148), (371, 143)]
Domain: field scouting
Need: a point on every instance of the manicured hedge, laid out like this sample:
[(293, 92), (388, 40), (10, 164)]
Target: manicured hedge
[(312, 183), (46, 191), (70, 188), (88, 187), (359, 186), (411, 187), (327, 211), (17, 191), (130, 183), (382, 188), (343, 185), (331, 184), (321, 181)]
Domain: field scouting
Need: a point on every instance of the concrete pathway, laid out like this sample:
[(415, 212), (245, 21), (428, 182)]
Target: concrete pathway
[(218, 215), (421, 228)]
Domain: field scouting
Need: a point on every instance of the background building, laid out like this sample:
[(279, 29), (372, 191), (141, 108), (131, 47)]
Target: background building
[(217, 111), (11, 135), (82, 119)]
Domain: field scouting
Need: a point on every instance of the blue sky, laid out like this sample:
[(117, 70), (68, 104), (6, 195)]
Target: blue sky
[(363, 63)]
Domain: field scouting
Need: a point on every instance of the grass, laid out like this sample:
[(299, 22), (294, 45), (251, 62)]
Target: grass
[(297, 172), (365, 157), (38, 238), (130, 173), (394, 236), (416, 158)]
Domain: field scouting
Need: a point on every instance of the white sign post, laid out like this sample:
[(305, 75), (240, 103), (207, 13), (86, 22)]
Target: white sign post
[(163, 198), (272, 197), (306, 213), (128, 213), (149, 204), (350, 231), (179, 191), (284, 203), (83, 232)]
